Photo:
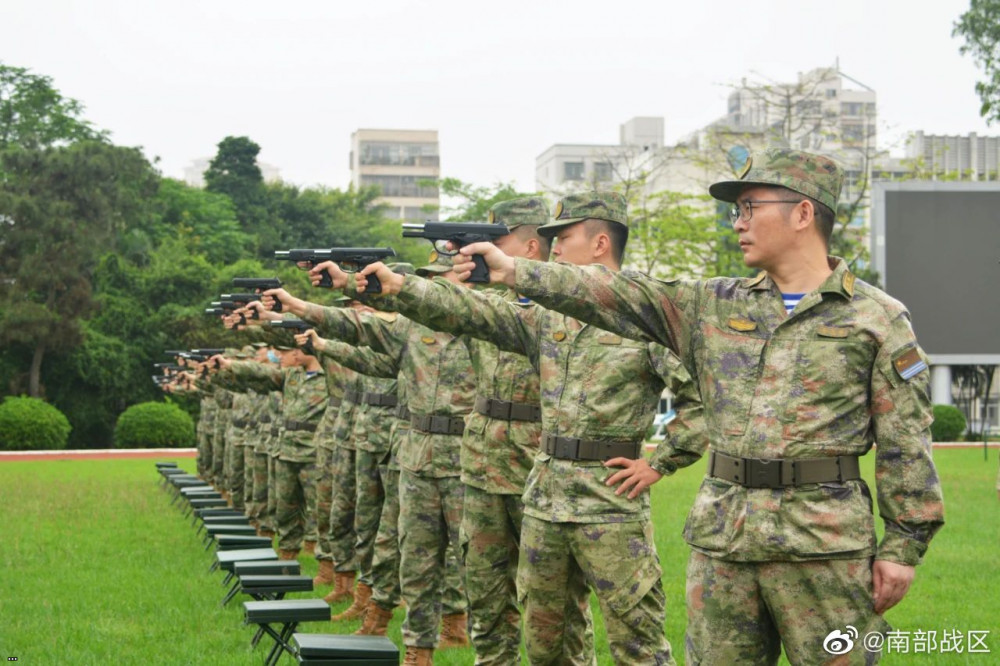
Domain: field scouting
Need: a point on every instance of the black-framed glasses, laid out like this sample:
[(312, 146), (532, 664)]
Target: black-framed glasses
[(743, 210)]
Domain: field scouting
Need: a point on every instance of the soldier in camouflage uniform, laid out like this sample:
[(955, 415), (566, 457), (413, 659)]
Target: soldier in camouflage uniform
[(375, 403), (430, 488), (206, 430), (236, 440), (598, 395), (255, 458), (782, 531), (304, 398), (223, 409)]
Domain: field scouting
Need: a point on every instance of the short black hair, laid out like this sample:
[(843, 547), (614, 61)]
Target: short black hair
[(528, 231), (824, 216), (618, 233)]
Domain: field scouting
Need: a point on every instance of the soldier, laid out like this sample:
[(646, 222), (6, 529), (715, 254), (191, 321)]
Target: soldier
[(598, 395), (802, 368), (430, 488), (375, 402), (304, 398)]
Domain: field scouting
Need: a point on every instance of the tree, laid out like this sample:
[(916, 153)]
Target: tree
[(60, 209), (980, 27), (475, 201), (234, 172), (33, 114)]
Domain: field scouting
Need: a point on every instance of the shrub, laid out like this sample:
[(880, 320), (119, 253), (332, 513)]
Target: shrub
[(949, 423), (152, 425), (30, 424)]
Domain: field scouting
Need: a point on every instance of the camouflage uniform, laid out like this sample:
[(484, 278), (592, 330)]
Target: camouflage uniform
[(784, 564), (224, 403), (594, 386), (375, 401), (304, 398), (498, 447), (236, 439), (206, 431), (258, 405), (272, 451), (429, 487), (338, 411)]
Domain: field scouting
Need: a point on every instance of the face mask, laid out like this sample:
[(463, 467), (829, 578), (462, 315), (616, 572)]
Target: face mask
[(273, 357)]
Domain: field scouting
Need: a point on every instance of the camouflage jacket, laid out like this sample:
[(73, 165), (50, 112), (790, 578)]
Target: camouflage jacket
[(240, 414), (371, 371), (340, 380), (258, 407), (303, 399), (594, 385), (497, 454), (206, 410), (270, 425), (840, 373), (435, 366)]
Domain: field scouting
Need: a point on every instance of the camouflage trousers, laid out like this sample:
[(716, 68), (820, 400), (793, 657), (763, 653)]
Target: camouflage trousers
[(248, 480), (324, 497), (218, 459), (385, 557), (205, 429), (341, 534), (430, 513), (619, 561), (295, 515), (367, 510), (234, 476), (258, 500), (743, 612), (270, 522)]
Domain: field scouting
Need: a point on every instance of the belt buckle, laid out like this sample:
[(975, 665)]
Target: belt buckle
[(499, 410), (763, 473)]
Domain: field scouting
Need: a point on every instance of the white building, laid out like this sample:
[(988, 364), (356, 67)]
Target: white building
[(567, 167), (971, 156), (402, 163)]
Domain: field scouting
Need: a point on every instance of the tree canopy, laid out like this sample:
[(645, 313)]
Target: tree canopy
[(979, 26)]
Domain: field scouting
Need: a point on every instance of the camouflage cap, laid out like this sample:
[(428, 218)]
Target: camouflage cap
[(439, 263), (806, 173), (609, 206), (520, 212)]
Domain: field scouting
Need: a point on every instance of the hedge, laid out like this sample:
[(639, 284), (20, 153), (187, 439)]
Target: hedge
[(949, 423), (30, 424), (154, 425)]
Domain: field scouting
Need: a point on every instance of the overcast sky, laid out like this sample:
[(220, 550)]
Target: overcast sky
[(500, 81)]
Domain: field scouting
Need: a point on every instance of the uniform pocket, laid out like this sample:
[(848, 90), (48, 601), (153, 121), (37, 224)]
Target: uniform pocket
[(828, 518), (718, 506), (729, 366)]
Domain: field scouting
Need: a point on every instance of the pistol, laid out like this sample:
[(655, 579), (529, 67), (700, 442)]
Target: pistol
[(459, 233), (260, 285), (350, 260), (298, 326)]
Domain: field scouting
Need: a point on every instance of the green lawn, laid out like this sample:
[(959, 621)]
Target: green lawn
[(97, 568)]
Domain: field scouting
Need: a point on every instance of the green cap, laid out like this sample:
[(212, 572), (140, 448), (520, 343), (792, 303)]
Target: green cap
[(519, 212), (806, 173), (609, 206), (439, 263)]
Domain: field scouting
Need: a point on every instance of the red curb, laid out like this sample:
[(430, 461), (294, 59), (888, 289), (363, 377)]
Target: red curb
[(97, 454)]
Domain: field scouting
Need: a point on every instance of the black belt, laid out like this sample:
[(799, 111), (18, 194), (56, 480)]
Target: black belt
[(334, 402), (508, 411), (240, 423), (439, 425), (351, 396), (300, 425), (379, 399), (574, 448), (275, 430), (265, 419), (402, 412), (780, 472)]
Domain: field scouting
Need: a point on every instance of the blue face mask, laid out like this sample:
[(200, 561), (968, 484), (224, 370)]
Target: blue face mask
[(273, 357)]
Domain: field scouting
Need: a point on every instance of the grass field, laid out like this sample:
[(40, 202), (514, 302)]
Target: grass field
[(97, 568)]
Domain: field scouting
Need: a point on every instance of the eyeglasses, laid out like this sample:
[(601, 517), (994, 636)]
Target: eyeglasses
[(744, 209)]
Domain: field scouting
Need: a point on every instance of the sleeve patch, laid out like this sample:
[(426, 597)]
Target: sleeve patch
[(909, 364)]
